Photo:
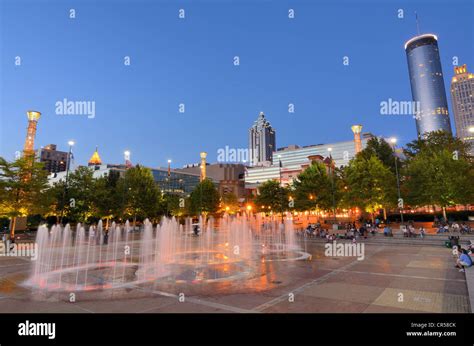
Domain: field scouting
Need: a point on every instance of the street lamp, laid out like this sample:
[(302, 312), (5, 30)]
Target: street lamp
[(71, 144), (393, 141), (281, 192), (126, 158), (332, 186), (471, 129)]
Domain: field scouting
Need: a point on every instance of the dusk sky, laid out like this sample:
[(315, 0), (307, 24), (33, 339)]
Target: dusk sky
[(190, 61)]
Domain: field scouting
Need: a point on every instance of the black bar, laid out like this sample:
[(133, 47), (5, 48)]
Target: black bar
[(223, 329)]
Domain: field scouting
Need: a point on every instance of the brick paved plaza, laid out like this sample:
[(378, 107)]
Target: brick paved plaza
[(393, 277)]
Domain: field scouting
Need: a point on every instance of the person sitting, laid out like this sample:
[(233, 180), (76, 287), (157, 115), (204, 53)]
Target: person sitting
[(470, 247), (465, 228), (454, 241), (463, 261), (422, 232), (405, 231)]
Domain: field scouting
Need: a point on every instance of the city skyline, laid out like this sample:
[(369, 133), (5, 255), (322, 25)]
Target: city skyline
[(313, 82)]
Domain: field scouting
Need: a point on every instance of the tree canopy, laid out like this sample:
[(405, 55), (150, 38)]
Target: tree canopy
[(204, 198)]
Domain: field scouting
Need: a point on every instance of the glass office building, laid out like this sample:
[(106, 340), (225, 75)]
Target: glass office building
[(176, 183), (427, 85)]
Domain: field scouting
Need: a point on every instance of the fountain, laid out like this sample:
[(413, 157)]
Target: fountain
[(93, 258)]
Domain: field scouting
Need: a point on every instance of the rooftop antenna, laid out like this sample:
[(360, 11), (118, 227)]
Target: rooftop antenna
[(417, 23)]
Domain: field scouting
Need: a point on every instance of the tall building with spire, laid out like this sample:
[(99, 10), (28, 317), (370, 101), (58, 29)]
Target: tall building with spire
[(462, 99), (29, 146), (427, 85), (261, 142), (95, 159)]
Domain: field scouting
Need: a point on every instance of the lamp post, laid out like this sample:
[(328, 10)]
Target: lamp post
[(331, 171), (281, 192), (68, 164), (126, 156), (393, 141), (169, 187)]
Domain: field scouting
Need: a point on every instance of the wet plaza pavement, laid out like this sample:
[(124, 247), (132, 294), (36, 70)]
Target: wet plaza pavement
[(390, 278)]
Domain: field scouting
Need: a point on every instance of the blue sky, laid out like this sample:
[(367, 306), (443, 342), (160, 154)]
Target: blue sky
[(190, 61)]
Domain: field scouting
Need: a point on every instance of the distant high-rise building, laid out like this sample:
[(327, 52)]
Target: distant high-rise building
[(28, 148), (261, 142), (54, 160), (427, 85), (462, 98)]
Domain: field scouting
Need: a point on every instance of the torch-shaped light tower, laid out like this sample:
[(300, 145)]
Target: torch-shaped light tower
[(126, 156), (203, 165), (357, 129), (33, 118)]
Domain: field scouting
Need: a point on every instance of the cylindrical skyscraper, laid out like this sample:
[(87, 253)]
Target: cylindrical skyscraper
[(427, 85)]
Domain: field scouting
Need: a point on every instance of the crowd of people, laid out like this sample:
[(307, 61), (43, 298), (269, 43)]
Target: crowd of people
[(409, 231), (462, 255), (453, 227), (349, 231)]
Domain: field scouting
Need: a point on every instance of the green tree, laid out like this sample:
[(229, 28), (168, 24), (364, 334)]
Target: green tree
[(204, 198), (23, 186), (174, 205), (382, 150), (371, 185), (313, 188), (78, 194), (437, 141), (272, 197), (107, 201), (230, 203), (140, 196), (438, 177)]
